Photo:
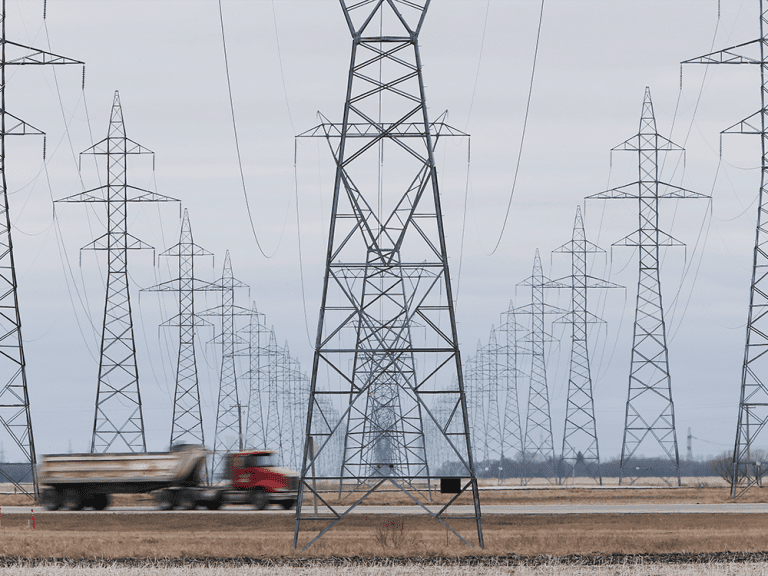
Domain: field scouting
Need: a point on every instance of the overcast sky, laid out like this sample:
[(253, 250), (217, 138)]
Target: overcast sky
[(289, 59)]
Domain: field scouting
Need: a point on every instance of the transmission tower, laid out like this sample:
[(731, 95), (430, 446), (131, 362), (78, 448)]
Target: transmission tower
[(580, 447), (689, 446), (386, 270), (15, 416), (753, 402), (256, 331), (118, 421), (512, 435), (650, 412), (187, 423), (538, 444), (229, 421), (482, 376)]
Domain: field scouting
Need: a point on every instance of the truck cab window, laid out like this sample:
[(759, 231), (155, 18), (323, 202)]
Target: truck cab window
[(266, 461)]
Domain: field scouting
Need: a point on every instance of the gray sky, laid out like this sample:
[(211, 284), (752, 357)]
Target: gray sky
[(595, 59)]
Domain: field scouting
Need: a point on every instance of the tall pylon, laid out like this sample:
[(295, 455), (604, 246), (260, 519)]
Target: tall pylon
[(753, 401), (650, 411), (581, 453), (386, 271), (187, 421), (229, 410), (15, 418), (118, 422), (512, 428), (256, 332), (538, 442)]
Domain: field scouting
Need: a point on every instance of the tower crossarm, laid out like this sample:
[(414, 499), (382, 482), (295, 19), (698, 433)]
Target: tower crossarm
[(639, 189), (732, 55), (21, 55), (106, 194)]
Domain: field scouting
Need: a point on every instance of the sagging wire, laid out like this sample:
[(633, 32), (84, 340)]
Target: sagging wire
[(237, 140), (522, 137)]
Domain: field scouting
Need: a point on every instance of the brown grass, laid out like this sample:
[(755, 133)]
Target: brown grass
[(223, 535)]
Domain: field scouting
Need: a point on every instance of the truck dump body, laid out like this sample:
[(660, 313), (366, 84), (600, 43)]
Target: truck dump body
[(86, 475)]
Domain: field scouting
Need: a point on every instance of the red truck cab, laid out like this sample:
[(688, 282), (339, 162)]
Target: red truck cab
[(256, 472)]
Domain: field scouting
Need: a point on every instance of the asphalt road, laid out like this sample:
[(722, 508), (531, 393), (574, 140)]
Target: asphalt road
[(503, 509)]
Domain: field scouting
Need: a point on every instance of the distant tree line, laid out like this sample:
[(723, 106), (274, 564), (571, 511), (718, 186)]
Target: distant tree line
[(720, 466)]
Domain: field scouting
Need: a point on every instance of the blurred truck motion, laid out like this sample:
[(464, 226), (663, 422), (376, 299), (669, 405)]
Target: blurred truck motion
[(176, 478)]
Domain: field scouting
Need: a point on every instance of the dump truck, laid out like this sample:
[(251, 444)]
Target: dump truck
[(175, 478)]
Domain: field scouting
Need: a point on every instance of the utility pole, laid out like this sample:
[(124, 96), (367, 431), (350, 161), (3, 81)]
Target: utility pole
[(580, 445), (386, 273), (187, 422), (15, 418), (753, 401), (650, 412), (229, 435), (118, 422)]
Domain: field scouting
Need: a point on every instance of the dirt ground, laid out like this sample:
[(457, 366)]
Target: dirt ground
[(223, 535)]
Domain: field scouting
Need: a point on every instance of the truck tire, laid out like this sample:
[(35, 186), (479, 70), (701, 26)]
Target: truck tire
[(51, 499), (164, 499), (186, 500), (73, 499), (259, 499), (215, 503), (288, 504), (100, 501)]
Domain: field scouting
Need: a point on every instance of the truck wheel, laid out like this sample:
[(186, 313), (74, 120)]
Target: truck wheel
[(186, 500), (100, 501), (73, 500), (288, 504), (215, 503), (259, 499), (51, 499), (164, 499)]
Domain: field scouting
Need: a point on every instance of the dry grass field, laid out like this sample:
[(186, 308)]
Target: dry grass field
[(180, 535), (550, 569)]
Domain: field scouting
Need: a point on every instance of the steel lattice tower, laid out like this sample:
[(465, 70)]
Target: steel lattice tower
[(512, 434), (256, 331), (229, 425), (187, 423), (482, 375), (650, 413), (386, 271), (538, 443), (753, 401), (118, 420), (580, 446), (15, 416), (273, 425)]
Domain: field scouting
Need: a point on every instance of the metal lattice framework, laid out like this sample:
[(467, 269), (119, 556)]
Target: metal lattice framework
[(187, 423), (581, 453), (229, 413), (650, 412), (386, 270), (753, 401), (256, 331), (482, 377), (512, 435), (278, 393), (538, 443), (118, 422), (15, 417)]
